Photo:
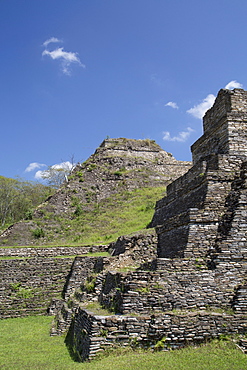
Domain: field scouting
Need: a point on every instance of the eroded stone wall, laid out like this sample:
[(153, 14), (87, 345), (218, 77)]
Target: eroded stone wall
[(28, 252), (92, 334), (29, 285), (184, 285)]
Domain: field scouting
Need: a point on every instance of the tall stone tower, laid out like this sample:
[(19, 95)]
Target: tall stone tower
[(204, 213), (225, 127)]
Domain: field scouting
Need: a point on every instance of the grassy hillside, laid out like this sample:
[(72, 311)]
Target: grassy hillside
[(120, 214), (90, 206), (25, 344)]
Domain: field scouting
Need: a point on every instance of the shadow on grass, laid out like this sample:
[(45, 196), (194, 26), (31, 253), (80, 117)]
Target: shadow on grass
[(69, 342)]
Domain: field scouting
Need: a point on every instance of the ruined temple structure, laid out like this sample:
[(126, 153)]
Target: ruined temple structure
[(195, 288), (190, 284), (204, 213)]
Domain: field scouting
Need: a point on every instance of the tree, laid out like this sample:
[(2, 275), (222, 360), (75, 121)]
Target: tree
[(57, 174), (8, 193), (17, 198)]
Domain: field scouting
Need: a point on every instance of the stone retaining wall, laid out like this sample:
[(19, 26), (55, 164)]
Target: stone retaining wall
[(92, 334), (80, 269), (175, 288), (29, 285), (28, 252)]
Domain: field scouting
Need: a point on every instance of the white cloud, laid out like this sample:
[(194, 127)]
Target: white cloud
[(51, 40), (38, 175), (199, 110), (59, 53), (66, 57), (172, 105), (181, 137), (33, 166), (233, 85), (66, 166)]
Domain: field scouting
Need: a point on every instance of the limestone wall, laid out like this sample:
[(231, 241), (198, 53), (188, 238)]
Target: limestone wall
[(80, 269), (190, 218)]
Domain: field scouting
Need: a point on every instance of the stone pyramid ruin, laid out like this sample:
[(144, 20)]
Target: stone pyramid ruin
[(195, 288), (191, 284), (204, 214)]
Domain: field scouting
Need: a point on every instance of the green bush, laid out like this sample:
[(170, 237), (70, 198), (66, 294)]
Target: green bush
[(29, 215), (38, 233), (25, 293), (15, 286), (120, 172), (91, 167), (144, 290), (78, 210), (160, 344), (20, 291), (89, 285)]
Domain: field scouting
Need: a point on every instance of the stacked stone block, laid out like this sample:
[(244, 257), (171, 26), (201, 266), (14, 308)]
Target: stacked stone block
[(176, 288), (189, 217), (28, 285), (36, 285), (93, 334)]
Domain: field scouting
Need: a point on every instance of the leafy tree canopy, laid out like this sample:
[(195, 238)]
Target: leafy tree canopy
[(18, 198)]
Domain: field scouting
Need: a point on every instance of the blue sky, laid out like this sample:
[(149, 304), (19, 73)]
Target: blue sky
[(74, 72)]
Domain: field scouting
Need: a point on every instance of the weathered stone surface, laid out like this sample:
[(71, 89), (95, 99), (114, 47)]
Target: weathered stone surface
[(29, 252), (28, 285), (164, 331)]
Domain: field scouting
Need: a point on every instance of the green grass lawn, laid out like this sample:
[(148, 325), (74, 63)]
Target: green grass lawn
[(25, 344)]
